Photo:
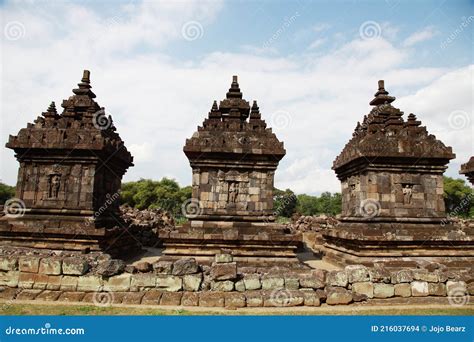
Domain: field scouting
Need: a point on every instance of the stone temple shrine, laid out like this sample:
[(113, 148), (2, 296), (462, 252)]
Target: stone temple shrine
[(391, 174), (468, 170), (71, 167), (233, 157)]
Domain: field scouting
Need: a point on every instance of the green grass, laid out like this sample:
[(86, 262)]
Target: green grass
[(90, 310)]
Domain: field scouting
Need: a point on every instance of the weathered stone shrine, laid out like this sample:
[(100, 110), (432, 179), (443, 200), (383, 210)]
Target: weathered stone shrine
[(391, 173), (71, 166), (233, 157), (468, 170)]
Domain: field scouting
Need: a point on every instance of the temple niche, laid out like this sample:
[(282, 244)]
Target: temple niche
[(233, 156), (71, 166), (391, 174)]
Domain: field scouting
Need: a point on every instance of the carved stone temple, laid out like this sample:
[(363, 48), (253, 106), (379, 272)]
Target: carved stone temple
[(233, 157), (468, 170), (391, 174), (71, 166)]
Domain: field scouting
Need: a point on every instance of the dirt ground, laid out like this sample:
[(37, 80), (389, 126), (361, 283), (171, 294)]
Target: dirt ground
[(60, 308)]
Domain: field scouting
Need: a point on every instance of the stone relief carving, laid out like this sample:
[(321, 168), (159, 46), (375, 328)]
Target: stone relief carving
[(231, 189), (54, 184), (407, 190)]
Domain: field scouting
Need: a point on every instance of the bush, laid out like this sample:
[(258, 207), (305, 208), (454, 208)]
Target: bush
[(147, 194), (6, 192), (458, 198)]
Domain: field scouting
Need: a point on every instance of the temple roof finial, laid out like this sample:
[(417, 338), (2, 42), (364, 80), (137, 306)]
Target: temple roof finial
[(52, 107), (86, 76), (255, 111), (214, 113), (234, 91), (381, 96), (51, 111), (85, 85)]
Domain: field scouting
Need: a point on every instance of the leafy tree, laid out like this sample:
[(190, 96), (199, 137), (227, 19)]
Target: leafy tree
[(458, 197), (307, 205), (6, 192), (284, 202), (146, 193), (327, 203)]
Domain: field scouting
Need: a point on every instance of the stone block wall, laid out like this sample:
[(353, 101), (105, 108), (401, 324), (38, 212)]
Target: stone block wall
[(233, 192), (394, 194), (222, 284), (50, 185)]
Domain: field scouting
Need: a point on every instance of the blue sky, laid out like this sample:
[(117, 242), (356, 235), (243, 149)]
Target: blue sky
[(313, 66)]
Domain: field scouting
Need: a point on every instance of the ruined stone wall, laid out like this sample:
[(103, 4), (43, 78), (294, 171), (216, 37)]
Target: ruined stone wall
[(396, 194)]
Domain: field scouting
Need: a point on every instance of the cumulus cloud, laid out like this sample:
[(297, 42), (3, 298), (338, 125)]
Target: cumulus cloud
[(317, 43), (425, 34)]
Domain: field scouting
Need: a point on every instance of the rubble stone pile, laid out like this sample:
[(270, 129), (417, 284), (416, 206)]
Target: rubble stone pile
[(313, 223), (145, 223)]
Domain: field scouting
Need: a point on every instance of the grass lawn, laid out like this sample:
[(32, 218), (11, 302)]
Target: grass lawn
[(62, 309)]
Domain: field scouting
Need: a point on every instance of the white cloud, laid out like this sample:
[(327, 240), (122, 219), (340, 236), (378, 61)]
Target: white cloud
[(141, 152), (425, 34), (445, 107), (317, 43), (157, 102)]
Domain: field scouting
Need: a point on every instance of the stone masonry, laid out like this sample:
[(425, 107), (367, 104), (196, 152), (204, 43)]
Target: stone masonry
[(67, 193), (101, 281), (468, 170), (391, 174), (233, 157)]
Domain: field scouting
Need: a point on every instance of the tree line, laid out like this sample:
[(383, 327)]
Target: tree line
[(169, 195)]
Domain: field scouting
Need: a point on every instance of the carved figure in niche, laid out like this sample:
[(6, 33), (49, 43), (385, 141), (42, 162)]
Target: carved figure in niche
[(233, 192), (352, 189), (54, 185), (407, 193)]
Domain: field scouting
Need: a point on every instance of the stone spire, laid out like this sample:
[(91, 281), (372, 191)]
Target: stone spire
[(85, 85), (381, 96), (51, 111), (215, 113), (234, 107), (234, 91), (82, 102), (412, 121), (255, 112)]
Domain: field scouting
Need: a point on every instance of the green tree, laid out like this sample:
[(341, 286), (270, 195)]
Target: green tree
[(307, 205), (458, 197), (327, 203), (146, 193), (284, 202), (6, 192)]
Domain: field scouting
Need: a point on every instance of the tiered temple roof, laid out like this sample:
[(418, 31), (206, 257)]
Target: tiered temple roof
[(235, 128), (384, 133), (83, 125), (467, 169)]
